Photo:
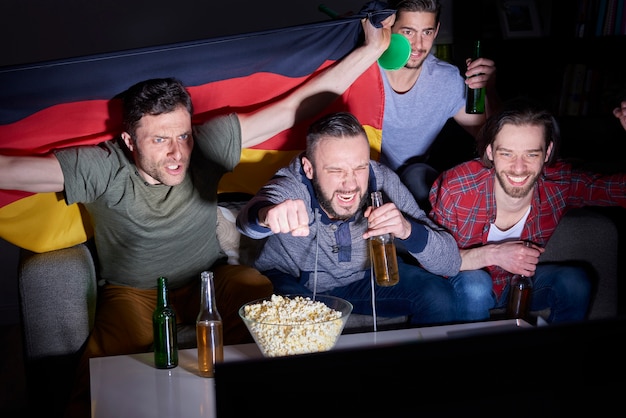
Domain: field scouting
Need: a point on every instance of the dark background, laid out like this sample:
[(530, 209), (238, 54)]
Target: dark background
[(38, 30)]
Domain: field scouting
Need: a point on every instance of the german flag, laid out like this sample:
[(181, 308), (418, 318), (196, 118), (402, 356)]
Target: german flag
[(71, 102)]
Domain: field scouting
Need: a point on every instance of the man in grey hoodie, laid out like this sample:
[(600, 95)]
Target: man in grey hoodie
[(315, 216)]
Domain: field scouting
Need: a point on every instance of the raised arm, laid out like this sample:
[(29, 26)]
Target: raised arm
[(319, 91), (37, 174)]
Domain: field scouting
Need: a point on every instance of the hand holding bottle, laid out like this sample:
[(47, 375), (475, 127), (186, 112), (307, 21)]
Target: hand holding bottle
[(386, 219), (516, 257), (383, 252), (480, 73)]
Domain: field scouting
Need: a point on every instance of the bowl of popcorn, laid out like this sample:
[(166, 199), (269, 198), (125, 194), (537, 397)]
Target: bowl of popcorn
[(295, 324)]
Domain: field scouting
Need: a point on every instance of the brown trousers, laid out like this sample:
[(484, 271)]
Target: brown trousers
[(123, 323)]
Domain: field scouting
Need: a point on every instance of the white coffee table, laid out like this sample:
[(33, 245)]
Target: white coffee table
[(130, 386)]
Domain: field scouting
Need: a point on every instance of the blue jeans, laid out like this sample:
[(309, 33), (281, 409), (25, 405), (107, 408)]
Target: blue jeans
[(474, 295), (425, 297), (418, 178), (566, 290)]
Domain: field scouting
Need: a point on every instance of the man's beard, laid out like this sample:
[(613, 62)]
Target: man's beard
[(415, 66), (326, 202), (516, 192)]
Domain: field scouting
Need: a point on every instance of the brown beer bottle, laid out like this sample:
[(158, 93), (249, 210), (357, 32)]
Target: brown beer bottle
[(520, 289), (383, 253), (519, 297), (209, 329)]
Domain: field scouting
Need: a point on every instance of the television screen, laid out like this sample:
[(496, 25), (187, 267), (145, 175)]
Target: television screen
[(554, 370)]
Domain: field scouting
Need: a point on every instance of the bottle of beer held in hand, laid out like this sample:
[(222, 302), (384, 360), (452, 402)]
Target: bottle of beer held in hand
[(209, 329), (520, 289), (164, 330), (519, 297), (475, 98), (383, 252)]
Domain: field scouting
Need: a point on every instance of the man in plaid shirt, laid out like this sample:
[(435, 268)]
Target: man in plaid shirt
[(515, 193)]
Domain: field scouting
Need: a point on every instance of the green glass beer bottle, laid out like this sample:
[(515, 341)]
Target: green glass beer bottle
[(164, 330), (475, 98)]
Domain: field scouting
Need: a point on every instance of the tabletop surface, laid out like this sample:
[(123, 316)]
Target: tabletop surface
[(130, 385)]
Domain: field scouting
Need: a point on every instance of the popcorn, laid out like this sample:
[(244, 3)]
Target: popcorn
[(284, 326)]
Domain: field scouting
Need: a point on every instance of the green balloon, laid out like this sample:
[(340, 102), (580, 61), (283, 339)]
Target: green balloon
[(397, 54)]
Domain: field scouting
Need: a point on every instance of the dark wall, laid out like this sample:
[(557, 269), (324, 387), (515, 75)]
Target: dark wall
[(40, 30)]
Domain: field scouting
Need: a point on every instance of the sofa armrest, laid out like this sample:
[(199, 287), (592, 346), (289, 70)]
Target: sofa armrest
[(590, 239), (239, 248), (57, 296)]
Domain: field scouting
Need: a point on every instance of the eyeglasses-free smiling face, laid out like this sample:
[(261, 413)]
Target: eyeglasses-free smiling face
[(339, 172), (162, 147), (518, 154)]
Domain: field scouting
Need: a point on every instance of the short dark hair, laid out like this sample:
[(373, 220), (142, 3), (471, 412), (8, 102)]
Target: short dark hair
[(519, 112), (428, 6), (337, 125), (153, 97)]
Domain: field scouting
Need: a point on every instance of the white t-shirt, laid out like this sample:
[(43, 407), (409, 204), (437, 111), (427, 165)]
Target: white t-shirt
[(511, 234)]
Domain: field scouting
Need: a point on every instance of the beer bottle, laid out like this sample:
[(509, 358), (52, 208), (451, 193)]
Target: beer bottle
[(164, 330), (519, 297), (383, 252), (475, 98), (520, 289), (209, 330)]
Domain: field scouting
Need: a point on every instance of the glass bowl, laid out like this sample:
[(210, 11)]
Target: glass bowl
[(295, 324)]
